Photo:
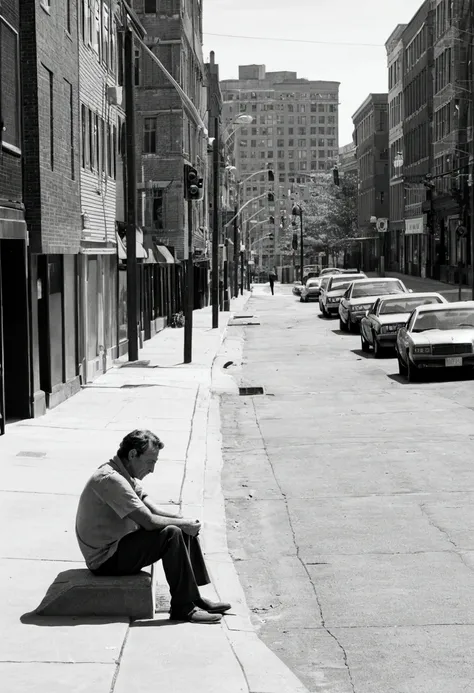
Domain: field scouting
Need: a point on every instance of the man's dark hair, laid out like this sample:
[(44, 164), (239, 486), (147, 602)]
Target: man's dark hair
[(139, 440)]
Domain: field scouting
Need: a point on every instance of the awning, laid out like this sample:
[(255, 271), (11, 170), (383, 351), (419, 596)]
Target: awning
[(166, 255), (122, 249)]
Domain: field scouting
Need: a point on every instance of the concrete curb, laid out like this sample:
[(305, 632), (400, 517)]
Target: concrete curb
[(264, 672)]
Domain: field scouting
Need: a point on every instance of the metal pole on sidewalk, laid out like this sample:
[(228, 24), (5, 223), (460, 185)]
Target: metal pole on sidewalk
[(189, 305), (216, 214), (132, 302), (235, 264), (301, 242)]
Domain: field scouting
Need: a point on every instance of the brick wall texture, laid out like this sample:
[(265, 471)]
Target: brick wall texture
[(10, 164), (50, 64)]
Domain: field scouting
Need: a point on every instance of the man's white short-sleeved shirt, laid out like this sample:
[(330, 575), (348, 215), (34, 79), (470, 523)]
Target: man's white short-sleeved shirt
[(107, 500)]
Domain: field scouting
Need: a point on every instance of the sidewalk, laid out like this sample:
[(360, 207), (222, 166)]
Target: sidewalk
[(449, 291), (46, 462)]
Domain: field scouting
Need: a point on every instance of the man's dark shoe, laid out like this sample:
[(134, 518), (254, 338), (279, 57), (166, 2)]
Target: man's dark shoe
[(212, 607), (195, 616)]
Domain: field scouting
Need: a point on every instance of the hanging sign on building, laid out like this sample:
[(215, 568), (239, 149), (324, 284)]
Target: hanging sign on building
[(414, 226), (382, 225)]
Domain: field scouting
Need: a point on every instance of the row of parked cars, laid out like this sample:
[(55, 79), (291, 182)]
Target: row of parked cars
[(423, 329)]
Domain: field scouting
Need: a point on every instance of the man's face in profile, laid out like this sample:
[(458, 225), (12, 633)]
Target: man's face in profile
[(142, 465)]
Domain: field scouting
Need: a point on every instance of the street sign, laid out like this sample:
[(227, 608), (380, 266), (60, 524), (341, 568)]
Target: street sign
[(382, 225)]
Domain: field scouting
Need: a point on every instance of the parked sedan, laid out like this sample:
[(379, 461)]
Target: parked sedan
[(437, 336), (379, 327), (297, 289), (361, 296), (310, 291), (332, 289)]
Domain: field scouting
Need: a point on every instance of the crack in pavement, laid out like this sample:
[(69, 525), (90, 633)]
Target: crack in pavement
[(457, 551), (298, 556)]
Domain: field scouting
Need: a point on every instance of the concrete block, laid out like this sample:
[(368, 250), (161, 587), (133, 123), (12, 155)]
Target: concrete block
[(80, 593)]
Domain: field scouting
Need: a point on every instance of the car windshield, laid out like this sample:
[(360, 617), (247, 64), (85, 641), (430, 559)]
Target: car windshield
[(342, 282), (377, 289), (444, 320), (405, 305), (312, 282)]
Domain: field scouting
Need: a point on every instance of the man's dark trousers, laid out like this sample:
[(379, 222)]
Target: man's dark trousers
[(272, 286), (181, 554)]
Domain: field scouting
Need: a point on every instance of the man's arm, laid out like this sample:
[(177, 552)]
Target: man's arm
[(156, 510), (150, 522)]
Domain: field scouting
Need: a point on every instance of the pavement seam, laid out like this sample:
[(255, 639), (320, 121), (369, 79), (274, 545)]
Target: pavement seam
[(191, 432), (118, 661), (298, 556)]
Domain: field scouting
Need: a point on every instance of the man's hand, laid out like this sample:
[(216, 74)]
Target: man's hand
[(191, 527)]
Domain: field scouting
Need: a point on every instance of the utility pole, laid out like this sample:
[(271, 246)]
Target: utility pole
[(235, 264), (132, 284), (189, 299), (301, 242), (216, 212)]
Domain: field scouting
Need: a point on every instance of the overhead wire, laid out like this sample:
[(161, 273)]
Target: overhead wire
[(294, 40)]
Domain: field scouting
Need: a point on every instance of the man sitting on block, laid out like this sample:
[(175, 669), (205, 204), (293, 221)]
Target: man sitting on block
[(120, 530)]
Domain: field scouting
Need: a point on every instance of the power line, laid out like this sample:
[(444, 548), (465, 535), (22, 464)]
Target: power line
[(289, 40)]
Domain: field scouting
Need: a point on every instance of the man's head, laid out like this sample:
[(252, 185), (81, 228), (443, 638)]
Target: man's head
[(139, 452)]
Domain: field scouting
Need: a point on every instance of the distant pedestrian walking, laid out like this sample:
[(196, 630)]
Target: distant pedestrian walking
[(272, 278)]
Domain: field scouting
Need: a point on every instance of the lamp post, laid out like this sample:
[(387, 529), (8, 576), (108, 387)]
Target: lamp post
[(297, 211)]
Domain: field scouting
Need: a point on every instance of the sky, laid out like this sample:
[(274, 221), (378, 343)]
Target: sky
[(361, 69)]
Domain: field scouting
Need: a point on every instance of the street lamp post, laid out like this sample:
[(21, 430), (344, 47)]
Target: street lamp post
[(297, 211)]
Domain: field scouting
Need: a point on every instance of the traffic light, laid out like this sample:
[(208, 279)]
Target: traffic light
[(271, 197), (271, 236), (271, 176), (335, 173), (192, 183), (271, 220), (294, 243)]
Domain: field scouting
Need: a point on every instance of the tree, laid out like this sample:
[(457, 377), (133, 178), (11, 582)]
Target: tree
[(330, 215)]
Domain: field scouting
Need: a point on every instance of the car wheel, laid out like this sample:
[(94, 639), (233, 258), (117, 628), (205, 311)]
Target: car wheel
[(301, 299), (342, 325), (306, 299), (324, 312), (412, 372), (365, 344), (377, 348), (402, 369), (350, 325)]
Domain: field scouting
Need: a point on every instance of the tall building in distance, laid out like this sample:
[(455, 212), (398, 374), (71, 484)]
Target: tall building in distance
[(294, 131)]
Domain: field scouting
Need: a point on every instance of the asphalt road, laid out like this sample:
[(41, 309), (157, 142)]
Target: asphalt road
[(350, 508)]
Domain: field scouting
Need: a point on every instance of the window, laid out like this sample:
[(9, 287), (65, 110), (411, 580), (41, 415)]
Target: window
[(9, 86), (301, 131), (157, 209), (97, 142), (90, 129), (321, 108), (68, 16), (136, 67), (291, 143), (96, 42), (106, 35), (280, 143), (253, 143), (114, 152), (301, 120), (313, 143), (149, 136), (322, 120), (301, 143), (84, 142), (112, 58), (150, 6), (103, 147), (290, 131), (313, 131), (50, 111), (70, 123)]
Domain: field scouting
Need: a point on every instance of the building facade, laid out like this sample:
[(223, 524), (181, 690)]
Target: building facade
[(417, 138), (347, 162), (294, 132), (166, 136), (15, 352), (51, 187), (102, 117), (394, 48)]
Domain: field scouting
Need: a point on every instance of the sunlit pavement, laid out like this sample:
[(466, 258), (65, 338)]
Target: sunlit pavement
[(350, 507)]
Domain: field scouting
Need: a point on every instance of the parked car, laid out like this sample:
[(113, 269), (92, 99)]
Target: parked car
[(361, 296), (436, 336), (379, 327), (332, 289), (330, 270), (297, 289), (310, 290)]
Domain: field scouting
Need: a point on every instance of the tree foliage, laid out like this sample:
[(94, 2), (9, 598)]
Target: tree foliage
[(330, 214)]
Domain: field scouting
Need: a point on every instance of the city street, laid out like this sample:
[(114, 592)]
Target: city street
[(350, 507)]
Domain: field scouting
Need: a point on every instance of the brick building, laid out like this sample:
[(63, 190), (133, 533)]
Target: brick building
[(103, 330), (50, 104), (371, 138), (166, 136), (15, 354), (417, 137), (394, 47), (294, 132)]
